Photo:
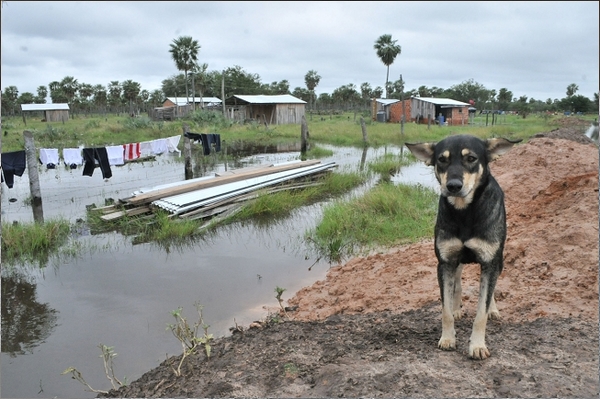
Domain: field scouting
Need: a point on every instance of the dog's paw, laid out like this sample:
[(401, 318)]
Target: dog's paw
[(478, 352), (457, 314), (494, 315), (447, 344)]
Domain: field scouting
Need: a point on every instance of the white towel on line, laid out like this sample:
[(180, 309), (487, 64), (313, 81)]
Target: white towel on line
[(115, 155)]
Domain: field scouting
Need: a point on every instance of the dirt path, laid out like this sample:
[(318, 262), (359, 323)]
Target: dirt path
[(371, 327)]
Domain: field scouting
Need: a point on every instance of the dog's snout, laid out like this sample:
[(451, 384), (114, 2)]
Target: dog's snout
[(454, 185)]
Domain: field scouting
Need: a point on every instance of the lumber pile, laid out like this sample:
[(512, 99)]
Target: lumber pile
[(208, 196)]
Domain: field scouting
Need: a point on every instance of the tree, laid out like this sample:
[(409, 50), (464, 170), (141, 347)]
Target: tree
[(69, 86), (312, 79), (131, 90), (42, 93), (184, 51), (572, 89), (114, 93), (504, 98), (387, 50)]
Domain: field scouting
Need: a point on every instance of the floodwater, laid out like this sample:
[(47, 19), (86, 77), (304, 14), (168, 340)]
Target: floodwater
[(121, 295)]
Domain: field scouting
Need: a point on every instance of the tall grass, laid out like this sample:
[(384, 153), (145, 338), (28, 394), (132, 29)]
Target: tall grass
[(385, 216), (33, 242)]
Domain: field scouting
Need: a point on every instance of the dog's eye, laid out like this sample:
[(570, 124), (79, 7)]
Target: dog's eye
[(471, 158), (442, 159)]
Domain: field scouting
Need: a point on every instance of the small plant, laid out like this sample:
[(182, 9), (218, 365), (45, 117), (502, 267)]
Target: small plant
[(108, 354), (279, 291), (188, 336)]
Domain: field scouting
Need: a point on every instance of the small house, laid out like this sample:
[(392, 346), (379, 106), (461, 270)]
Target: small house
[(58, 112), (269, 109), (380, 108), (174, 107), (431, 110)]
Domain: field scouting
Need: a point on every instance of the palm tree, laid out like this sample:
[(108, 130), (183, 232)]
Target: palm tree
[(312, 80), (387, 50), (184, 51), (131, 90)]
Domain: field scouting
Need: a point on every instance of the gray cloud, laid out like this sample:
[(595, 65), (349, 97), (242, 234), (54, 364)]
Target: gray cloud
[(531, 48)]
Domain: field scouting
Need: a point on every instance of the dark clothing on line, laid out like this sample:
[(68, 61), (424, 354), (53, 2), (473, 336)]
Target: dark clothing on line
[(192, 136), (208, 140), (90, 156), (13, 163)]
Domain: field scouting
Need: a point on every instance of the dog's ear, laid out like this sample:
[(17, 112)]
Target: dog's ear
[(422, 151), (498, 146)]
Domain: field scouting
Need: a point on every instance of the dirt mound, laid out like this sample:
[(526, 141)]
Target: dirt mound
[(371, 327)]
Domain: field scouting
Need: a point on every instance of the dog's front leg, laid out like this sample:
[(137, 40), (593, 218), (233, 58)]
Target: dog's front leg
[(457, 297), (477, 347), (446, 280)]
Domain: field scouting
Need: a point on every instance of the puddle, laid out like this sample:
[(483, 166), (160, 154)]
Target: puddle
[(121, 295)]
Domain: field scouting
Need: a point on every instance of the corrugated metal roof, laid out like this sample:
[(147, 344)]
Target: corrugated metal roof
[(184, 101), (44, 107), (274, 99), (386, 101), (443, 101), (185, 202)]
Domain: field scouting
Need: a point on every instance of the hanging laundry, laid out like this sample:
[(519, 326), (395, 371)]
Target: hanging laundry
[(90, 156), (193, 136), (13, 163), (132, 151), (146, 149), (210, 139), (115, 155), (172, 143), (72, 157), (159, 146), (49, 157)]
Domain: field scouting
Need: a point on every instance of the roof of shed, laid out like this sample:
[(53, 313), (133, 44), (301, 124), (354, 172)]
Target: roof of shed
[(265, 99), (184, 100), (443, 101), (386, 101), (45, 107)]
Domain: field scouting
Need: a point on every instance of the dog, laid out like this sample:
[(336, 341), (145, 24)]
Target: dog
[(470, 227)]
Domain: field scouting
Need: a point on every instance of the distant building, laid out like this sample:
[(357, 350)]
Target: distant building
[(176, 107), (431, 110), (49, 112), (270, 109), (380, 108)]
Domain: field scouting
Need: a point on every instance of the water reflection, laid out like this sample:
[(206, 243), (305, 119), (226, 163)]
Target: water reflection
[(25, 321)]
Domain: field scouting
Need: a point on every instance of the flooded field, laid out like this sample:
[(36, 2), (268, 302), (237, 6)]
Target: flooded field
[(121, 295)]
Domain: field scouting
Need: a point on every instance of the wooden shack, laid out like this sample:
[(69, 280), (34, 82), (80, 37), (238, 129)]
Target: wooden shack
[(47, 112), (280, 109)]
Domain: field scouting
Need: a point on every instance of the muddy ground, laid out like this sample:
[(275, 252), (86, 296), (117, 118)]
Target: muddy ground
[(371, 328)]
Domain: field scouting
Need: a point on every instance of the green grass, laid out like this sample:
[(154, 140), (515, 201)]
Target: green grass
[(33, 242), (385, 216), (339, 130)]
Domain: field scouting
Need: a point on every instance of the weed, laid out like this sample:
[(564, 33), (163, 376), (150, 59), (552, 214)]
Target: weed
[(279, 291), (188, 336), (108, 354)]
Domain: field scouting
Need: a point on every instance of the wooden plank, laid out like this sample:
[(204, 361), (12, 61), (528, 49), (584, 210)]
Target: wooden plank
[(127, 212), (241, 174)]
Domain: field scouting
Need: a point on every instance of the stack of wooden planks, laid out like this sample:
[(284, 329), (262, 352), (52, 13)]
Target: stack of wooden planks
[(208, 196)]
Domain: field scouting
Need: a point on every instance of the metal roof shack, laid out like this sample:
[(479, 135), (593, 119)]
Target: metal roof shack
[(443, 111), (58, 112), (181, 101), (380, 108), (279, 109)]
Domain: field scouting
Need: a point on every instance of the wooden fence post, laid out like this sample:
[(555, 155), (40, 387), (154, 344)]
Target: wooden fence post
[(187, 153), (364, 130), (34, 178), (303, 136)]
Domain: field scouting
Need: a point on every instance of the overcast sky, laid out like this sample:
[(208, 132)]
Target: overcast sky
[(534, 49)]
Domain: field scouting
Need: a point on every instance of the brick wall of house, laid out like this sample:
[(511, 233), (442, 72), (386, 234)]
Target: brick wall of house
[(396, 111)]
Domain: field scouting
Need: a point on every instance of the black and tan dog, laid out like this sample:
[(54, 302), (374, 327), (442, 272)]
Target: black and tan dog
[(470, 227)]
